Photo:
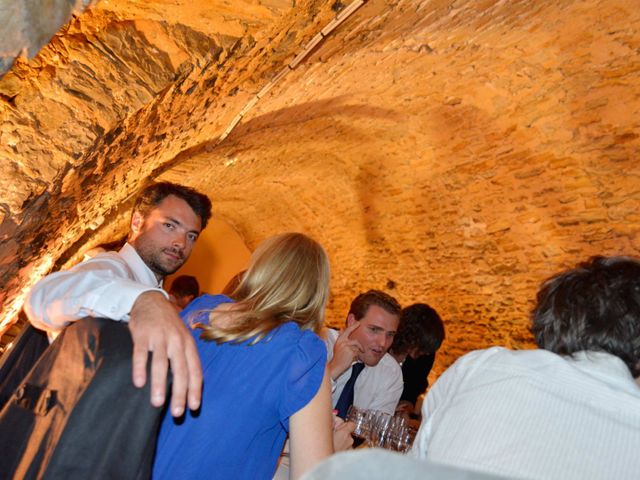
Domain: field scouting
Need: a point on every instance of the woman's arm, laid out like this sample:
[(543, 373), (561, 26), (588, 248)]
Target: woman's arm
[(311, 432)]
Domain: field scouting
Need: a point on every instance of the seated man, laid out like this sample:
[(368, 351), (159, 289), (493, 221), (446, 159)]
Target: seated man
[(569, 410), (362, 371), (420, 334), (77, 414), (183, 289), (126, 286)]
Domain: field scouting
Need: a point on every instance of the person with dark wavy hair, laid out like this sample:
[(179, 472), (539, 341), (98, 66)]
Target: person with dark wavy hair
[(126, 286), (120, 348), (183, 290), (153, 195), (568, 410), (594, 307), (420, 334)]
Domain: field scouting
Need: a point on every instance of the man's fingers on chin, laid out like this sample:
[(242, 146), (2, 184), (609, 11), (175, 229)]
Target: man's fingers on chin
[(352, 327)]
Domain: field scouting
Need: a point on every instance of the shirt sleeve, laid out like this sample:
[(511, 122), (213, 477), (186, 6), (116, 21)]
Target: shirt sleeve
[(440, 394), (100, 287), (306, 370)]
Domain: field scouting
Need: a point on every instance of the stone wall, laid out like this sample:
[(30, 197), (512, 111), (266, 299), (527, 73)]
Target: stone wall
[(456, 156), (450, 152), (28, 25)]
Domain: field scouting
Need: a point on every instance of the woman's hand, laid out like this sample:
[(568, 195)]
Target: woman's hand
[(342, 439), (405, 408)]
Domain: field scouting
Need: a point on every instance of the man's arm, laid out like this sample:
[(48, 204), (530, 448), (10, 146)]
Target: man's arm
[(96, 288), (345, 352), (102, 287)]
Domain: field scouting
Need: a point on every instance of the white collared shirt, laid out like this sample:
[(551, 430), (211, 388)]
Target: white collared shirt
[(534, 414), (377, 388), (106, 285)]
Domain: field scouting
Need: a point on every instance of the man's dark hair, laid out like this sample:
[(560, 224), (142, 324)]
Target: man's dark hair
[(184, 286), (420, 327), (362, 302), (593, 307), (154, 194)]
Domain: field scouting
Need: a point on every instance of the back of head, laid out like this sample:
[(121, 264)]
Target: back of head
[(287, 280), (593, 307), (420, 328), (185, 286), (154, 194), (360, 305), (233, 284)]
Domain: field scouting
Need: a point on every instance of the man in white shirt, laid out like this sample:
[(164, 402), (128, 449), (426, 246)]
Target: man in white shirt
[(371, 325), (361, 350), (127, 286), (570, 410)]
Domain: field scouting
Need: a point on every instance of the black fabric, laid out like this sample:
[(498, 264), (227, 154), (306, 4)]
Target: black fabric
[(346, 396), (77, 415), (16, 362), (414, 375)]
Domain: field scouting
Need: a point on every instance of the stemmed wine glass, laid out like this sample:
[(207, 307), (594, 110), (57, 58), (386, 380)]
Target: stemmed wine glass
[(380, 429), (362, 420)]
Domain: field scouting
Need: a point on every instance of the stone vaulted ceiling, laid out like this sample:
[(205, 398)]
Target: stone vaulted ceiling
[(450, 152)]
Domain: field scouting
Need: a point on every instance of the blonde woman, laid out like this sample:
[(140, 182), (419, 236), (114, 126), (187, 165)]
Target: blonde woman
[(264, 371)]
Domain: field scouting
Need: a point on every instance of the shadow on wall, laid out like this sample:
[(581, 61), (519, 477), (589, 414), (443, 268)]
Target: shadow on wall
[(219, 254), (305, 112)]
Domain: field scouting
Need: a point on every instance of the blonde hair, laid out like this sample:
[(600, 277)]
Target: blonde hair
[(287, 281)]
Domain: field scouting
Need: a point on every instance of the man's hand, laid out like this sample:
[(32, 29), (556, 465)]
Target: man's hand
[(156, 327), (345, 352)]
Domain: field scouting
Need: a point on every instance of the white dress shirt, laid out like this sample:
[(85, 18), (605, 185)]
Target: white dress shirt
[(106, 286), (534, 414), (377, 388)]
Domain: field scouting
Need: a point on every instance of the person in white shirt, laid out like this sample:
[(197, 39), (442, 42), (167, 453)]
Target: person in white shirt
[(372, 322), (127, 286), (371, 325), (570, 410)]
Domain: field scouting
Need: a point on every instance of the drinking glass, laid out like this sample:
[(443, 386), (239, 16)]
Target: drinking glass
[(379, 429), (361, 419)]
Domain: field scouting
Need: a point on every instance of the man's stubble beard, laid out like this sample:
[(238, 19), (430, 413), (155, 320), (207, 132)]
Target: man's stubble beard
[(152, 257)]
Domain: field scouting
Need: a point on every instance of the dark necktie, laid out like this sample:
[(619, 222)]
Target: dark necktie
[(346, 397)]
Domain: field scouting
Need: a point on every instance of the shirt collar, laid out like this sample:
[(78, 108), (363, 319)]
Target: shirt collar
[(141, 270)]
